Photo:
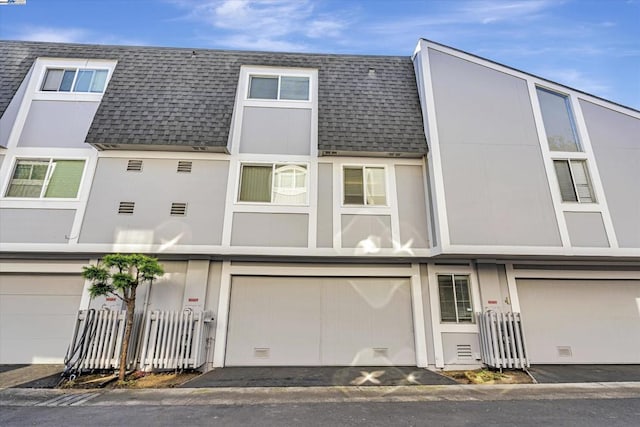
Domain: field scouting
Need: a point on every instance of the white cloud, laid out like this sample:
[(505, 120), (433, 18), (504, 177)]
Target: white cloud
[(51, 34), (264, 24), (577, 79)]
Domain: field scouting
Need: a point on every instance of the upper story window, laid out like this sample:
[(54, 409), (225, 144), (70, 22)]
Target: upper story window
[(46, 178), (74, 80), (364, 185), (455, 298), (559, 123), (284, 184), (573, 178), (292, 88)]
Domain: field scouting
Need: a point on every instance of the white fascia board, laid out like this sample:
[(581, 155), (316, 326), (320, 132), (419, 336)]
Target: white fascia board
[(434, 163)]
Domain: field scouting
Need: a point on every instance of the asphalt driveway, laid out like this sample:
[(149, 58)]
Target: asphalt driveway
[(317, 377), (585, 373)]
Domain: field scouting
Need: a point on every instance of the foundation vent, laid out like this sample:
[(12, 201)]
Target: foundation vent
[(464, 351), (126, 207), (178, 209), (134, 165), (261, 353), (381, 352), (184, 166), (564, 351)]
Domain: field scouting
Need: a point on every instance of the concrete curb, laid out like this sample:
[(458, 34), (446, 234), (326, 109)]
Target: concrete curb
[(279, 395)]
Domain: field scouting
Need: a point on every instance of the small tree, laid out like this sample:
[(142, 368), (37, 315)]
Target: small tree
[(120, 275)]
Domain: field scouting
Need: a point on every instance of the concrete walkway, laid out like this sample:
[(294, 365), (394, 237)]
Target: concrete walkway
[(278, 395)]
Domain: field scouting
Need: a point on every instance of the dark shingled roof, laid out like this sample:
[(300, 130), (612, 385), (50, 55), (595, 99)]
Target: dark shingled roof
[(163, 96)]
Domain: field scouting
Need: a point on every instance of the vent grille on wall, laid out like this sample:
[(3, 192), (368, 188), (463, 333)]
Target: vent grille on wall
[(464, 351), (261, 353), (126, 207), (381, 352), (184, 166), (565, 351), (178, 209), (134, 165)]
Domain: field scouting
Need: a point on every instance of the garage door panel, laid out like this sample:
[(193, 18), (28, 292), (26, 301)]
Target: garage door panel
[(39, 350), (581, 321), (14, 284), (367, 322), (37, 315), (259, 309), (34, 326), (320, 321), (38, 304)]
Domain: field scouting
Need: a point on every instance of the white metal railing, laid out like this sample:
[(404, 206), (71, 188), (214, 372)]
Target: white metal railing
[(174, 340), (97, 340), (502, 340)]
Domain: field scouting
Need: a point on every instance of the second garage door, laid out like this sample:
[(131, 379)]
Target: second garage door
[(37, 314), (581, 321), (287, 321)]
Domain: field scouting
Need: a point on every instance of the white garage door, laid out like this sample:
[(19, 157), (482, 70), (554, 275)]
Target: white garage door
[(37, 315), (286, 321), (581, 321)]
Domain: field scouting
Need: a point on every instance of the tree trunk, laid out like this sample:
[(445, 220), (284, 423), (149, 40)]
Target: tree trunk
[(128, 327)]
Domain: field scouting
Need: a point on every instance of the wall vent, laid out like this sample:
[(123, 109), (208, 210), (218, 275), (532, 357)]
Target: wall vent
[(380, 352), (464, 351), (564, 351), (261, 353), (134, 165), (184, 166), (178, 209), (126, 207)]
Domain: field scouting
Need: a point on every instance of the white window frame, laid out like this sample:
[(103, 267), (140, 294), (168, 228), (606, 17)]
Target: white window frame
[(455, 300), (279, 76), (47, 178), (274, 167), (569, 160), (76, 71), (364, 184), (572, 119), (42, 65)]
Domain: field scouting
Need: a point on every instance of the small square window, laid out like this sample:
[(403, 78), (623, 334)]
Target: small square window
[(574, 182), (455, 298), (263, 88), (364, 185)]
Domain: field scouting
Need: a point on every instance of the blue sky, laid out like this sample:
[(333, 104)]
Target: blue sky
[(592, 45)]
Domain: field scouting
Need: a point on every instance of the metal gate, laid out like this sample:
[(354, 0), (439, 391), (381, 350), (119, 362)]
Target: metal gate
[(502, 340)]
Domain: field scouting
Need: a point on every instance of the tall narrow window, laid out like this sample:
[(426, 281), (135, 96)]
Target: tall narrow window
[(46, 178), (559, 124), (364, 185), (574, 182), (455, 298)]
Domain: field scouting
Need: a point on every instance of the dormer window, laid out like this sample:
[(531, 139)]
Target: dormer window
[(290, 88), (74, 80)]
